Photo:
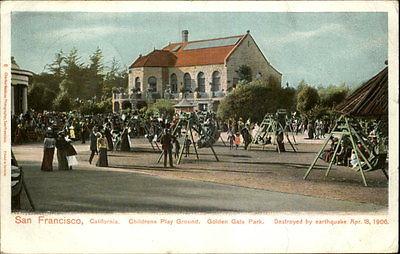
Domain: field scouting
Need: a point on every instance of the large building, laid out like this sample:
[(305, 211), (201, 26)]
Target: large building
[(203, 71)]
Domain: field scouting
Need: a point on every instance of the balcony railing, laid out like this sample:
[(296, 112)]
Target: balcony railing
[(172, 96)]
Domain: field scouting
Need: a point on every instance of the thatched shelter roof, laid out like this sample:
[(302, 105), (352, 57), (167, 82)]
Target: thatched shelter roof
[(369, 100)]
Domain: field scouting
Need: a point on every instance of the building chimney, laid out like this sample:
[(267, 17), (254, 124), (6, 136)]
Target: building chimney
[(185, 35)]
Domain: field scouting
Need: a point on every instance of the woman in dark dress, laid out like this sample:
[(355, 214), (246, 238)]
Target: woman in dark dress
[(61, 145), (108, 136), (102, 148), (124, 141), (48, 152)]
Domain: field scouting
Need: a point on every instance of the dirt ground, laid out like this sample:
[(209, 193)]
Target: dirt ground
[(260, 169)]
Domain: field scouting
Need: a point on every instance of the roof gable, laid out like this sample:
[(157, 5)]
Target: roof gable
[(192, 53), (157, 58)]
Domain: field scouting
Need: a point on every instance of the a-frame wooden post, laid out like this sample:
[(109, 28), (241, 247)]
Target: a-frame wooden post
[(345, 130)]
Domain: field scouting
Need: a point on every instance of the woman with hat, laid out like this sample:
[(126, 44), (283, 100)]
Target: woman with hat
[(48, 151), (102, 146)]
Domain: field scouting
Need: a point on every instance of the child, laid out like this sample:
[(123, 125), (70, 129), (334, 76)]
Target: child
[(231, 139), (237, 140)]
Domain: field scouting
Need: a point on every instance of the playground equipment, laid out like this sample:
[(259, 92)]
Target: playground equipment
[(191, 123), (152, 131), (277, 126), (368, 102), (367, 160)]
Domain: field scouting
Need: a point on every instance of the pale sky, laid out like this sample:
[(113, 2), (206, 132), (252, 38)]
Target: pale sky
[(321, 48)]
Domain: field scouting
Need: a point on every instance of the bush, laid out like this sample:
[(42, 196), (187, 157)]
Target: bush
[(162, 108), (253, 101)]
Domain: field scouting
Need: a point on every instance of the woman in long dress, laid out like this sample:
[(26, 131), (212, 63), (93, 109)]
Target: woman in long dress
[(102, 146), (71, 153), (48, 152), (125, 146), (61, 145)]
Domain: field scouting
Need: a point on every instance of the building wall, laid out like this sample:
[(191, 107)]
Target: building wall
[(144, 74), (133, 73), (195, 70), (247, 53), (163, 76)]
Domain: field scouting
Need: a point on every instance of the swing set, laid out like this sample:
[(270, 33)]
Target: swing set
[(192, 125), (349, 128), (270, 127)]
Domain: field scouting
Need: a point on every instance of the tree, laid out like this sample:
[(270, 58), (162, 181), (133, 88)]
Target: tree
[(333, 95), (63, 102), (307, 100), (161, 107), (245, 73), (40, 97), (253, 101), (95, 75), (57, 67), (115, 78)]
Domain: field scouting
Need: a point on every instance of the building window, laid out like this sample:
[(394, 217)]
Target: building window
[(174, 83), (152, 84), (187, 82), (201, 82), (216, 81), (137, 84)]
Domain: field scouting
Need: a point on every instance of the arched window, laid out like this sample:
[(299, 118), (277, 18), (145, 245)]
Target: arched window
[(187, 82), (216, 81), (201, 82), (152, 84), (174, 83), (137, 83)]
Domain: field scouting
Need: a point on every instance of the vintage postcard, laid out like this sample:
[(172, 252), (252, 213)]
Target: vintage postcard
[(199, 127)]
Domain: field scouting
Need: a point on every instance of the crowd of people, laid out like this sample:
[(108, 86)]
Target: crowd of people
[(111, 132), (59, 130)]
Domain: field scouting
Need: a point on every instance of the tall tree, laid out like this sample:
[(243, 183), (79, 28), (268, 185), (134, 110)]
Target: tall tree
[(307, 100), (96, 68), (57, 67)]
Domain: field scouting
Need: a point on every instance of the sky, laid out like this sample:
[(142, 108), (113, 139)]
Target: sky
[(320, 48)]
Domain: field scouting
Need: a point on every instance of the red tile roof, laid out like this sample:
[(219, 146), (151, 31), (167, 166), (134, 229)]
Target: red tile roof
[(174, 56), (157, 58)]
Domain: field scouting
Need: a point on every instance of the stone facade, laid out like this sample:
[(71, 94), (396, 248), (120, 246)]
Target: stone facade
[(248, 53), (218, 78)]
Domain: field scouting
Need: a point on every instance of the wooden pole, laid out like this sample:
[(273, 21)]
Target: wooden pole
[(317, 157), (333, 156)]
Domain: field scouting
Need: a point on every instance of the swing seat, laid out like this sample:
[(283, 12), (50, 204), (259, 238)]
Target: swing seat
[(377, 162)]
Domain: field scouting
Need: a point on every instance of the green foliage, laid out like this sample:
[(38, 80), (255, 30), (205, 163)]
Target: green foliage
[(63, 102), (245, 73), (307, 100), (115, 78), (332, 95), (161, 107), (254, 100), (90, 107), (40, 96), (69, 77)]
